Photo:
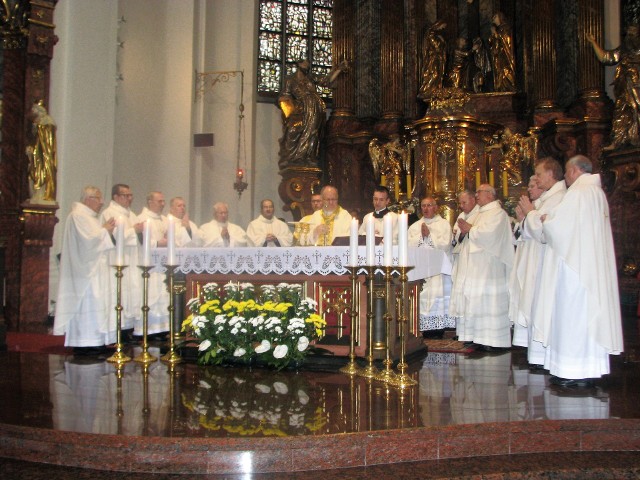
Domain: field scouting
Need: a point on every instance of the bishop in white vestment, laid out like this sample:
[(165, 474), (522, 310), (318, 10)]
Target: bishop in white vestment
[(330, 221), (479, 297), (82, 307), (579, 312)]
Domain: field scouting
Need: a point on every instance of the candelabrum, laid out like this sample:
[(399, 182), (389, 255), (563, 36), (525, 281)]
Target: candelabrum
[(352, 367), (402, 379), (171, 356), (119, 408), (370, 371), (145, 357), (119, 356), (387, 374)]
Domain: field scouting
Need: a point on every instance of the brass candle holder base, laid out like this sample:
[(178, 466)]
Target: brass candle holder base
[(370, 371), (119, 357), (352, 367), (403, 380), (387, 375), (145, 357), (171, 357)]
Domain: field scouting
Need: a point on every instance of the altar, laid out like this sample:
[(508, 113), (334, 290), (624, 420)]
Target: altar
[(323, 275)]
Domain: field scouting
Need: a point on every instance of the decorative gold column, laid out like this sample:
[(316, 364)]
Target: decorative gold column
[(391, 59), (590, 71)]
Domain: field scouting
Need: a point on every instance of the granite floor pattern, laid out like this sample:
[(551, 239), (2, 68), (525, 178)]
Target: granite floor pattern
[(477, 415)]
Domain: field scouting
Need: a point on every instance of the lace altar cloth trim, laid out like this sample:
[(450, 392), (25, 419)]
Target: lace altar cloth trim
[(426, 262)]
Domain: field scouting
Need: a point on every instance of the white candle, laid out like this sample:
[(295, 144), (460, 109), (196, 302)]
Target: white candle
[(387, 239), (353, 243), (120, 241), (403, 237), (146, 244), (371, 240), (171, 241)]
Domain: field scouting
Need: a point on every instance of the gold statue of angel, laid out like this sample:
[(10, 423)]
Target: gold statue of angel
[(390, 158)]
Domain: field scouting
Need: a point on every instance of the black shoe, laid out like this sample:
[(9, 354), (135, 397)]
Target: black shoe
[(433, 334), (536, 367), (571, 382), (488, 348), (90, 351)]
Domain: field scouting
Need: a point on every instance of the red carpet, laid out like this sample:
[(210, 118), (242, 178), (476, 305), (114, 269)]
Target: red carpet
[(37, 343)]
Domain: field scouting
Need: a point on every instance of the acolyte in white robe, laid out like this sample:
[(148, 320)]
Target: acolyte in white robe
[(258, 229), (480, 297), (82, 307), (339, 227), (158, 300), (436, 290), (131, 292), (525, 276), (211, 235), (578, 315), (379, 225)]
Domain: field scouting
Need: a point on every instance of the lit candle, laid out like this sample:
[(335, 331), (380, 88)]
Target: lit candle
[(387, 239), (146, 244), (408, 185), (171, 241), (478, 178), (491, 179), (505, 184), (120, 241), (353, 243), (403, 239), (396, 186), (371, 240), (383, 180)]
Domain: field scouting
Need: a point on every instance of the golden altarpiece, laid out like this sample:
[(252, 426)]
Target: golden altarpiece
[(488, 126)]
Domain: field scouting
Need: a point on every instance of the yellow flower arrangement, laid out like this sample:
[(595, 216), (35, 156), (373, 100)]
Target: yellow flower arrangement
[(236, 323)]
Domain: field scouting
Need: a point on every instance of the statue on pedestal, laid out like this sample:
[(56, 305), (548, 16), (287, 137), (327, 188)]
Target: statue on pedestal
[(43, 161), (303, 116), (432, 59), (625, 129), (502, 56)]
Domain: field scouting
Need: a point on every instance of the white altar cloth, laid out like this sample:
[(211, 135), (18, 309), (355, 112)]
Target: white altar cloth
[(295, 260)]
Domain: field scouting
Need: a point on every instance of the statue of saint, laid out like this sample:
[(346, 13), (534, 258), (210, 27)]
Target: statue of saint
[(304, 115), (43, 161), (481, 66), (459, 73), (433, 59), (502, 57), (625, 129), (391, 158)]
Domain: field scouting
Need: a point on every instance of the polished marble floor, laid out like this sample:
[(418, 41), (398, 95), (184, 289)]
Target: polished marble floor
[(90, 396)]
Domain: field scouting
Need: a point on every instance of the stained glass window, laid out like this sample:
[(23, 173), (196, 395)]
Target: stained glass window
[(290, 31)]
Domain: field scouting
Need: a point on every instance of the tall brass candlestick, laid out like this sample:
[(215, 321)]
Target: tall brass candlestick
[(171, 356), (388, 375), (370, 371), (352, 368), (145, 357), (119, 357), (403, 380)]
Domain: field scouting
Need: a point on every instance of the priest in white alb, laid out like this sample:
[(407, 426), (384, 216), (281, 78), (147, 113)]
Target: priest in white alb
[(82, 307), (267, 230), (549, 178), (158, 301), (330, 221), (579, 319), (480, 297), (188, 234), (469, 212), (131, 287), (220, 232), (433, 231)]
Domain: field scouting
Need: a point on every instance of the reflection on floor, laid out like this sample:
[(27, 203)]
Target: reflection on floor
[(63, 393)]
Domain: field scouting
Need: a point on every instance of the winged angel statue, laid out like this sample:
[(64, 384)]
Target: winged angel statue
[(391, 158)]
